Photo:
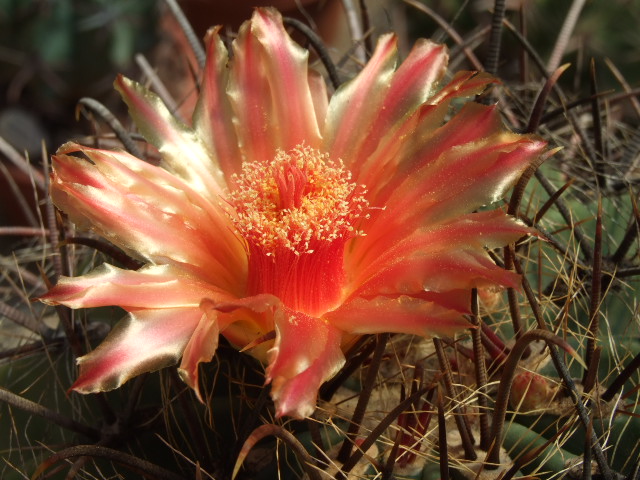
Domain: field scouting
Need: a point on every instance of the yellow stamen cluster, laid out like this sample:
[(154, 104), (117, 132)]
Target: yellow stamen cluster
[(299, 198)]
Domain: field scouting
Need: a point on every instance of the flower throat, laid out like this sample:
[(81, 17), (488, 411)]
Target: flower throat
[(296, 213)]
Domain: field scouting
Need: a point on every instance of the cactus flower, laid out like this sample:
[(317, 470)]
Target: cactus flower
[(289, 220)]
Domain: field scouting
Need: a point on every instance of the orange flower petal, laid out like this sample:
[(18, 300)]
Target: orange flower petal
[(148, 212), (491, 229), (249, 94), (183, 153), (401, 314), (396, 158), (319, 95), (410, 87), (439, 272), (212, 115), (355, 105), (306, 354), (153, 286), (285, 65), (461, 180), (144, 341), (202, 347)]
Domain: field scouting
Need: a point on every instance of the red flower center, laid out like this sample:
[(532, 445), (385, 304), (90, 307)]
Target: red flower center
[(296, 213)]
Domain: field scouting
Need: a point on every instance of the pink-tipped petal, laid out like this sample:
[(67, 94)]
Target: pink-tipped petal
[(444, 257), (401, 314), (490, 229), (183, 153), (244, 320), (431, 143), (356, 103), (412, 84), (250, 97), (212, 115), (461, 180), (319, 95), (153, 286), (306, 354), (420, 138), (463, 84), (439, 272), (285, 64), (201, 347), (147, 212), (144, 341)]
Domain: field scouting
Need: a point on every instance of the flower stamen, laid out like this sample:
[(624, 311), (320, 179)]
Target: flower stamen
[(296, 213)]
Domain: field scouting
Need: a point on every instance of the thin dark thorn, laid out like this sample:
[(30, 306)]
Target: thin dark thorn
[(445, 367), (420, 429), (523, 60), (363, 399), (481, 372), (504, 388), (51, 415), (97, 108), (586, 455), (366, 27), (552, 199), (571, 116), (631, 234), (547, 117), (144, 467), (355, 357), (387, 470), (531, 51), (194, 41), (541, 101), (523, 181), (598, 144), (442, 440), (591, 373), (563, 371), (495, 37), (596, 284), (108, 249), (305, 460), (379, 430), (564, 36), (318, 46), (450, 31), (514, 308), (628, 272), (493, 342), (621, 379), (582, 240)]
